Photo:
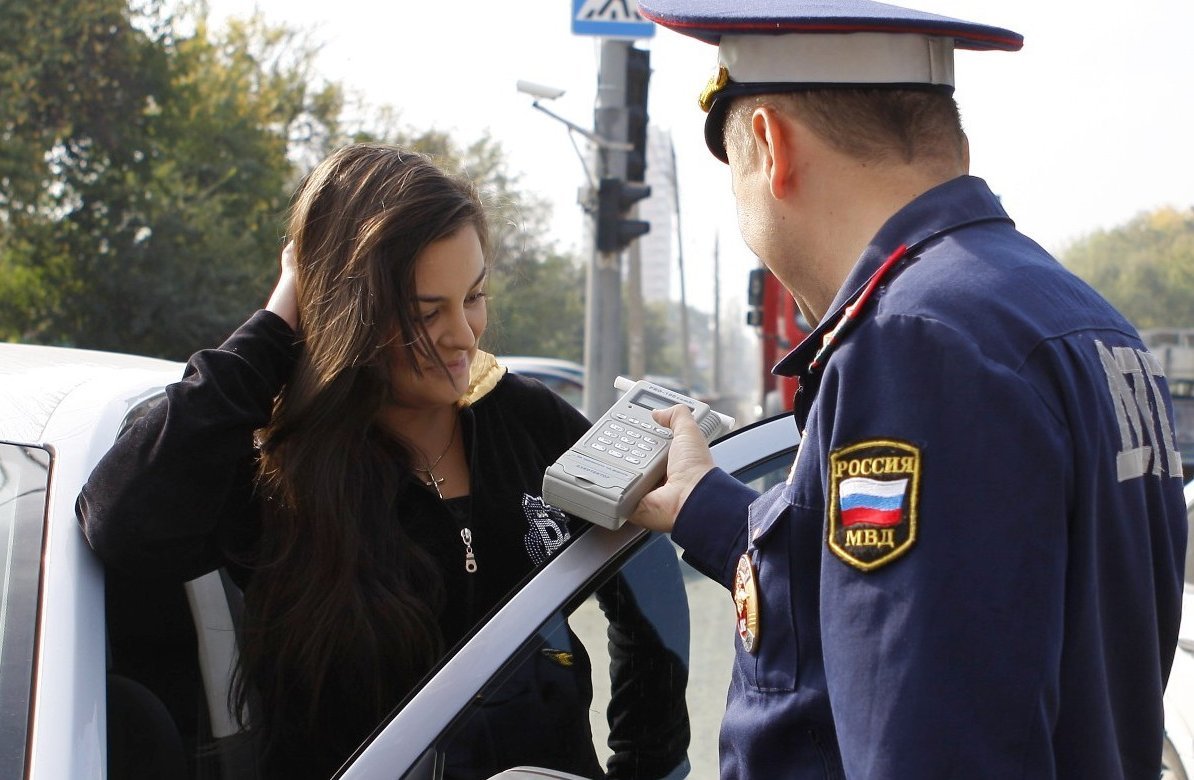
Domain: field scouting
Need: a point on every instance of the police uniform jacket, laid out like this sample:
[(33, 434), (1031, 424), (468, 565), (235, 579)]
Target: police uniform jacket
[(975, 566)]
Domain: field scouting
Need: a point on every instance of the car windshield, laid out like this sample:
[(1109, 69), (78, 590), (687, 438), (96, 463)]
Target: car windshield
[(24, 475)]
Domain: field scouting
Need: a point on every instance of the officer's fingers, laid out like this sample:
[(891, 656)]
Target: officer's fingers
[(658, 509), (689, 460), (685, 432), (667, 417), (689, 451)]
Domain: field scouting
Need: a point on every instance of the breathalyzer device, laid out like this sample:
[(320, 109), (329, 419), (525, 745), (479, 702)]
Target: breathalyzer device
[(604, 475)]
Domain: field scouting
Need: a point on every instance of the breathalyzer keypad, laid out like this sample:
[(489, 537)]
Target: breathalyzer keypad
[(628, 439)]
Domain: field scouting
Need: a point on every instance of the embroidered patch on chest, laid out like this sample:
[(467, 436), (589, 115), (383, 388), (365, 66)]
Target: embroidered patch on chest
[(874, 491)]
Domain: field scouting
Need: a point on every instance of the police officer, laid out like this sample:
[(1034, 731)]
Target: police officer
[(974, 568)]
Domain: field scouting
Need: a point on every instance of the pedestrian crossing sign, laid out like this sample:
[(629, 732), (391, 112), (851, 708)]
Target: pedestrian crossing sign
[(610, 19)]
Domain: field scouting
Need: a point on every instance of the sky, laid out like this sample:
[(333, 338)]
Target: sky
[(1089, 125)]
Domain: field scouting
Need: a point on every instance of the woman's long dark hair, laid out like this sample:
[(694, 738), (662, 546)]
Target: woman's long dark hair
[(341, 613)]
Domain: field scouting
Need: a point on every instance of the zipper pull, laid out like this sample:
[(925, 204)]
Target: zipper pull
[(470, 560)]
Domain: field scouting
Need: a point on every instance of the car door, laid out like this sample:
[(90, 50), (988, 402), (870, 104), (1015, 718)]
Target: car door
[(24, 484), (457, 724)]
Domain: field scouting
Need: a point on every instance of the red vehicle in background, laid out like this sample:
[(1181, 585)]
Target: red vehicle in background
[(781, 327)]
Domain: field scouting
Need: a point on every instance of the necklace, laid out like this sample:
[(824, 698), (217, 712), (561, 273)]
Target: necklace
[(429, 468)]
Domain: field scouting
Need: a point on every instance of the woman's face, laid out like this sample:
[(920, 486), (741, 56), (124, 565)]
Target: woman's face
[(450, 277)]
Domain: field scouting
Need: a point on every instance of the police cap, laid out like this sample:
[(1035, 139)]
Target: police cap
[(768, 46)]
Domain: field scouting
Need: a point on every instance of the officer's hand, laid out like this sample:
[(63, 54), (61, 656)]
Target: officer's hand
[(688, 461)]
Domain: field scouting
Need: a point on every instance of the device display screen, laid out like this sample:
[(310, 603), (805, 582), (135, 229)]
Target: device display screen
[(649, 400)]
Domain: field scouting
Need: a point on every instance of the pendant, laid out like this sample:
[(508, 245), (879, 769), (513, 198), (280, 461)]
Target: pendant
[(746, 603), (434, 483)]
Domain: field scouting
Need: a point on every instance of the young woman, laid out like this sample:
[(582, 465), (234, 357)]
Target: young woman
[(369, 475)]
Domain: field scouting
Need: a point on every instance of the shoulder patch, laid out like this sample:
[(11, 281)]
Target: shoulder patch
[(874, 495)]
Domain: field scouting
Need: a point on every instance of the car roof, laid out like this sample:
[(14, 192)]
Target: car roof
[(525, 363), (35, 380)]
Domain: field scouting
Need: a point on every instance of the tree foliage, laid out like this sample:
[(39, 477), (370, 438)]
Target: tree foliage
[(147, 172), (538, 306), (1144, 268), (146, 162)]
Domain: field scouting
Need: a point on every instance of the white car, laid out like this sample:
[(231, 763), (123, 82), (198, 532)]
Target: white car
[(565, 377), (73, 645), (68, 650)]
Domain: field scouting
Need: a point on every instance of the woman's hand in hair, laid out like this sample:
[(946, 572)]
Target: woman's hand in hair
[(284, 300)]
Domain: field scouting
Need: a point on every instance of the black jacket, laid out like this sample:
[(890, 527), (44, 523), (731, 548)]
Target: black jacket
[(175, 498)]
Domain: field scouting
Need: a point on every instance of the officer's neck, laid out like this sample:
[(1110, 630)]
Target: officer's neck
[(836, 214)]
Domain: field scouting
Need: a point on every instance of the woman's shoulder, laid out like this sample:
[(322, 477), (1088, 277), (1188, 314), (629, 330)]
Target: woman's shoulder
[(520, 389), (527, 399), (491, 383)]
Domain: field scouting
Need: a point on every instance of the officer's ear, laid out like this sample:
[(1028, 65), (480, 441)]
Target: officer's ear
[(773, 136)]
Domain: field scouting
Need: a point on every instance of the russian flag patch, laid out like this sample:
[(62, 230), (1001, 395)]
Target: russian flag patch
[(866, 501), (874, 487)]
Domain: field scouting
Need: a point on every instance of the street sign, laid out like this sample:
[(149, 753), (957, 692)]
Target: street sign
[(610, 19)]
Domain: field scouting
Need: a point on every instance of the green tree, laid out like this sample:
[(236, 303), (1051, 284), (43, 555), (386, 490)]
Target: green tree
[(72, 80), (149, 171), (146, 162), (1145, 267), (538, 306)]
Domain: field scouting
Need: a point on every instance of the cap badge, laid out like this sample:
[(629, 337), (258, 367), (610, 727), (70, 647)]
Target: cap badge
[(874, 496), (716, 84), (746, 602)]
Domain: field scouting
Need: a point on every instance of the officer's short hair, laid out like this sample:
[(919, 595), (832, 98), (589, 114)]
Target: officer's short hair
[(871, 125)]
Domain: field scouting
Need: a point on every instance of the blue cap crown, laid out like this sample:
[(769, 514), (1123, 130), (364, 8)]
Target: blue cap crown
[(768, 46)]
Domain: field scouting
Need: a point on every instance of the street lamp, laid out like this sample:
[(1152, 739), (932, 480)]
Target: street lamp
[(540, 91), (603, 347), (544, 92)]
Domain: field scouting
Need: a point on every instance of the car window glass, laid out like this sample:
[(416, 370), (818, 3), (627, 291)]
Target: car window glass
[(667, 719), (709, 613), (625, 646), (24, 473), (768, 473)]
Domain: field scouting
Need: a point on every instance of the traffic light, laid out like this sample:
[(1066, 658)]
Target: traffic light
[(638, 74), (756, 281), (614, 199)]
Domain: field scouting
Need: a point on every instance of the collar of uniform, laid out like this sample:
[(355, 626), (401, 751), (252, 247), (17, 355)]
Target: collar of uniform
[(945, 208)]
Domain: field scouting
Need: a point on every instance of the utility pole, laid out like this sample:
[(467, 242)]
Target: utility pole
[(717, 370), (620, 118), (685, 363), (603, 312), (636, 357)]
